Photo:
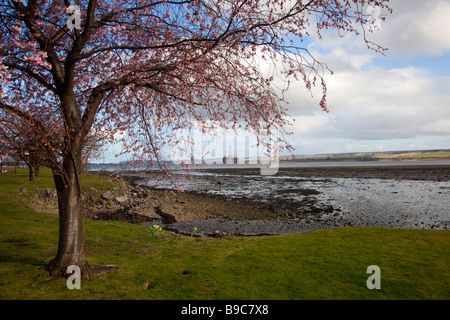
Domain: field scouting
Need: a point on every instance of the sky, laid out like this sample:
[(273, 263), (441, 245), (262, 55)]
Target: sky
[(396, 101)]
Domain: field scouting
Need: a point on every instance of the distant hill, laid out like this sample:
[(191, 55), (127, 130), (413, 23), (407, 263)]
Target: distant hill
[(410, 155), (443, 154)]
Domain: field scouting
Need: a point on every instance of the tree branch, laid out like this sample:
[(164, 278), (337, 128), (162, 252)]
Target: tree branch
[(32, 74)]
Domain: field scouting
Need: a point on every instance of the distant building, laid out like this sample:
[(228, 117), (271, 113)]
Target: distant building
[(230, 159)]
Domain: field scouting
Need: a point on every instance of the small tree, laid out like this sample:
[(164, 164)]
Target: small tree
[(21, 143), (3, 154), (142, 66)]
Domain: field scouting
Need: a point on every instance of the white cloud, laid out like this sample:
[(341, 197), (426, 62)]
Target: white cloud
[(372, 108), (372, 105), (416, 27), (375, 104)]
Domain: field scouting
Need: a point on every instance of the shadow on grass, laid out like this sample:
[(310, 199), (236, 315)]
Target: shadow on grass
[(21, 260)]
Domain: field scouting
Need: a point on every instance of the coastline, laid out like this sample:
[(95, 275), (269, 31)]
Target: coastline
[(411, 171), (216, 214)]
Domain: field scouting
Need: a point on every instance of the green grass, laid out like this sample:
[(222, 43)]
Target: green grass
[(425, 155), (328, 264), (433, 155)]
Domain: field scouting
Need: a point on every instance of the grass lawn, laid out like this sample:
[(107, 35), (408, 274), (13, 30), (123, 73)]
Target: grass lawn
[(328, 264)]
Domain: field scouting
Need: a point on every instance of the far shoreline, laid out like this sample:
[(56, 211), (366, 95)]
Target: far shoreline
[(124, 166), (431, 170)]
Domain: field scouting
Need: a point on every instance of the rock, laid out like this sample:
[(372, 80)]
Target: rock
[(107, 195), (49, 193), (166, 218), (316, 210), (121, 199), (143, 194)]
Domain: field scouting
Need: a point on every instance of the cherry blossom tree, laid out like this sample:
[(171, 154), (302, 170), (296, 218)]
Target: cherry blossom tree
[(20, 142), (3, 153), (146, 67)]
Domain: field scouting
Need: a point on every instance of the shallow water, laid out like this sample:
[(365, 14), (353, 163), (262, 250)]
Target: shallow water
[(359, 202), (392, 203)]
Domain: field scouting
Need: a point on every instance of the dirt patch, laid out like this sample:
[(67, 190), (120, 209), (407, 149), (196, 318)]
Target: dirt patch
[(98, 270)]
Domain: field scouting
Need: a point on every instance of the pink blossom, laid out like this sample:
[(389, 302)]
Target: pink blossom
[(38, 59), (16, 29), (171, 74)]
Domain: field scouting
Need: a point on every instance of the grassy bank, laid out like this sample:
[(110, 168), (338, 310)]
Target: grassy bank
[(328, 264), (394, 156)]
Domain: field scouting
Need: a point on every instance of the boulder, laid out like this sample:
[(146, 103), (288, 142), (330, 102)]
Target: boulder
[(49, 193), (121, 199), (107, 195)]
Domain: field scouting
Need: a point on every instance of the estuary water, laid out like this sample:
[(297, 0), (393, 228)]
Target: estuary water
[(323, 195)]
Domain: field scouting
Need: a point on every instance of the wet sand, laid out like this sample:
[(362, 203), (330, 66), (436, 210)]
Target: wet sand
[(403, 172), (305, 199)]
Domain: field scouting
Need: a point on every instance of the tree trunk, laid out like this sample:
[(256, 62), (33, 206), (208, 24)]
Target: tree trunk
[(71, 225), (34, 163), (32, 172)]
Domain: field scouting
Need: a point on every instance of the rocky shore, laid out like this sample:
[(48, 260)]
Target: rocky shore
[(218, 214), (212, 214), (142, 205)]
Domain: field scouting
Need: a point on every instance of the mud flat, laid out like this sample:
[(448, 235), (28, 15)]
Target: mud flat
[(310, 198), (410, 170)]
